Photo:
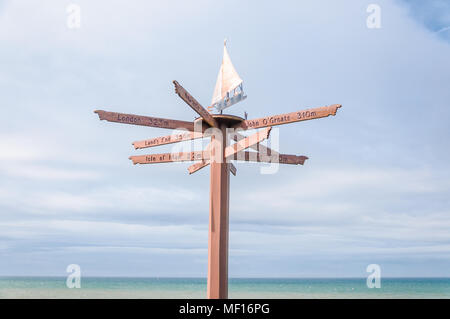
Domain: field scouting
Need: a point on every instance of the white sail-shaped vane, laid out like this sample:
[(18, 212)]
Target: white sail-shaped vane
[(228, 89), (217, 95)]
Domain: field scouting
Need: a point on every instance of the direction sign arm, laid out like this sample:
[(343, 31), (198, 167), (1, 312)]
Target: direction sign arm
[(197, 166), (292, 117), (197, 107), (282, 158), (144, 120), (170, 157), (169, 139), (247, 142), (257, 147)]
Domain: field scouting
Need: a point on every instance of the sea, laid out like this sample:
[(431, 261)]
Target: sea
[(195, 288)]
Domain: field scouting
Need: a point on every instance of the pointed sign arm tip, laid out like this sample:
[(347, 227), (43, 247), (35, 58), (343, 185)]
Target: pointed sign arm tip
[(176, 84), (337, 106), (132, 159), (100, 114), (302, 159)]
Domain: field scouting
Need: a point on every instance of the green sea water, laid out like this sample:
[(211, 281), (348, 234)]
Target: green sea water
[(91, 287)]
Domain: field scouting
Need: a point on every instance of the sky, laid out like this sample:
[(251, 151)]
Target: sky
[(375, 189)]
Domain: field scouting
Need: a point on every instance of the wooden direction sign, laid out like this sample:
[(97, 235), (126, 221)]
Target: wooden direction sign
[(257, 147), (170, 157), (186, 97), (144, 120), (292, 117), (197, 166), (279, 158), (169, 139), (217, 155), (247, 142)]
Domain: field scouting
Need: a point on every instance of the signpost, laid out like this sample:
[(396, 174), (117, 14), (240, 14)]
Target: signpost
[(217, 154)]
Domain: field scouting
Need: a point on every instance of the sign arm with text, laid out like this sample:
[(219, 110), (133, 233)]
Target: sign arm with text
[(170, 157), (144, 120), (256, 157), (292, 117), (197, 107), (169, 139)]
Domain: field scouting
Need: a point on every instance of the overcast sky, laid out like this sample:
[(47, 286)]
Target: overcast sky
[(374, 190)]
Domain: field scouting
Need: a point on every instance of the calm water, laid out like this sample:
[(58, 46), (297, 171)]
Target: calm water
[(55, 287)]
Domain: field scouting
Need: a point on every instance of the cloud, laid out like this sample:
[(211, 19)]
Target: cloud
[(104, 200), (434, 14), (43, 25), (51, 173), (375, 186), (443, 29), (331, 191), (19, 148)]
